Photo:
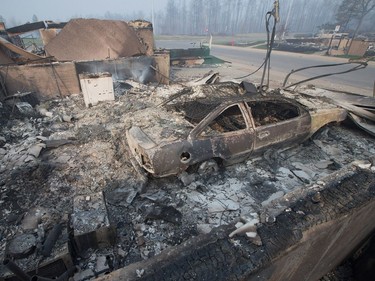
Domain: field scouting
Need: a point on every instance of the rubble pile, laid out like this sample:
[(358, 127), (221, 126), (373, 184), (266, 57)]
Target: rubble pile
[(65, 160)]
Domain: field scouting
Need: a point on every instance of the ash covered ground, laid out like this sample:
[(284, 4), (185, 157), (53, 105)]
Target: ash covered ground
[(62, 150)]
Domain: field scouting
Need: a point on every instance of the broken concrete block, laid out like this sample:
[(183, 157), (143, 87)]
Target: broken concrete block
[(97, 87), (204, 228), (121, 196), (83, 275), (44, 112), (29, 158), (215, 207), (323, 164), (21, 246), (102, 265), (302, 175), (66, 118), (36, 149), (90, 223), (33, 217), (230, 205), (363, 164), (186, 178)]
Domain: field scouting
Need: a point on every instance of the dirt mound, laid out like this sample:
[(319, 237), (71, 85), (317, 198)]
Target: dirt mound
[(92, 39)]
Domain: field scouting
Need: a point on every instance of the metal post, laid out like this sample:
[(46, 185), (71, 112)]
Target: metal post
[(153, 17), (330, 45)]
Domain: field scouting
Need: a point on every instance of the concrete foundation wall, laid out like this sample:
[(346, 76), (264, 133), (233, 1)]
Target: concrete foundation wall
[(61, 79), (137, 68), (358, 48), (162, 64), (145, 33), (46, 80)]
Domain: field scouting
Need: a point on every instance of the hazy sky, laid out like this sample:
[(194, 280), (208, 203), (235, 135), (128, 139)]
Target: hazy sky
[(62, 10)]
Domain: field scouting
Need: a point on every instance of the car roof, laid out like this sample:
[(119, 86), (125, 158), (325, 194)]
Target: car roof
[(200, 108), (209, 96), (246, 97)]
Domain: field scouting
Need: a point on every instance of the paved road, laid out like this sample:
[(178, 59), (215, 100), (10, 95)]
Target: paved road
[(247, 60)]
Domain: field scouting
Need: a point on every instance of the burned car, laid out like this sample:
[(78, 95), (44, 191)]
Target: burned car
[(167, 140)]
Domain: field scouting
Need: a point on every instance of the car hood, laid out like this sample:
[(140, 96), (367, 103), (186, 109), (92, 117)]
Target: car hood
[(160, 126)]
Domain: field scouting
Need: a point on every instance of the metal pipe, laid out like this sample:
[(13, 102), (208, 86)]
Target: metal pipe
[(51, 240), (359, 66), (16, 270)]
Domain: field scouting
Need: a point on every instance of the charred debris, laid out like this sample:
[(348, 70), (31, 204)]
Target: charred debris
[(76, 204), (52, 65)]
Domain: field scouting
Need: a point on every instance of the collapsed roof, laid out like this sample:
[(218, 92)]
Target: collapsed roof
[(92, 39), (79, 40), (27, 27), (126, 50)]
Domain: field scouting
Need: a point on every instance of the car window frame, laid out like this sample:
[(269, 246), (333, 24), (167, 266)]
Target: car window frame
[(301, 112), (197, 131)]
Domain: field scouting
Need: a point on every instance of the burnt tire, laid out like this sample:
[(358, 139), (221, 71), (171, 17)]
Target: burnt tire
[(208, 167)]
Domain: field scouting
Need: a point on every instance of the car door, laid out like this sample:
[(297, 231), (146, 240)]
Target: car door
[(229, 130), (278, 123)]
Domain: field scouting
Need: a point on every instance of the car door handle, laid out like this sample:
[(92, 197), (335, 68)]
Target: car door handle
[(263, 135)]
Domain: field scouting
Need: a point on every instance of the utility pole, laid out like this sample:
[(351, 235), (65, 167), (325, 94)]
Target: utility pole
[(277, 10), (287, 18), (153, 16)]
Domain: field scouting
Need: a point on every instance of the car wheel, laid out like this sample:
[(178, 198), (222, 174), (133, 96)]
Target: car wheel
[(208, 167)]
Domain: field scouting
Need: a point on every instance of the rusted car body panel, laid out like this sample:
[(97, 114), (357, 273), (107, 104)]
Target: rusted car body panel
[(325, 116), (236, 128)]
